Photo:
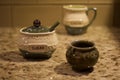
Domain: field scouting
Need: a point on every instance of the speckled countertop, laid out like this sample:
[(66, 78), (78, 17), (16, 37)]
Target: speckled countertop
[(14, 67)]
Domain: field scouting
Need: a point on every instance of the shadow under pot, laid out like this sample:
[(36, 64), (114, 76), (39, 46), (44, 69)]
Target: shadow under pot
[(37, 41), (82, 55)]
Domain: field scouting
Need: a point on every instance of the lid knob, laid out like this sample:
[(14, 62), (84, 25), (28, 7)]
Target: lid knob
[(36, 23)]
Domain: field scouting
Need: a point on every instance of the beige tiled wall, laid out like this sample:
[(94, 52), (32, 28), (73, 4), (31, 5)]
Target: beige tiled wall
[(104, 14), (24, 1), (63, 1), (101, 1), (24, 15), (20, 13), (5, 2), (5, 16)]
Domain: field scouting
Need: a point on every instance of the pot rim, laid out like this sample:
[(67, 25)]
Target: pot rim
[(83, 48), (75, 7), (43, 33)]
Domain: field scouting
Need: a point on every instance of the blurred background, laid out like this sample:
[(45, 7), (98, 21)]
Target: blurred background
[(20, 13)]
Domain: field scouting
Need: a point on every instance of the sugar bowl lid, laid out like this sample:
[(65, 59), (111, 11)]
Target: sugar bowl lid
[(36, 27)]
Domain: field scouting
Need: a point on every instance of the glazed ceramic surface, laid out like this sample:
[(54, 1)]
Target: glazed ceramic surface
[(82, 55), (37, 41), (76, 19), (37, 44)]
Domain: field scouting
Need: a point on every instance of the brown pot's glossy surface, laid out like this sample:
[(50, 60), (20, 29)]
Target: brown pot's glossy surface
[(82, 55)]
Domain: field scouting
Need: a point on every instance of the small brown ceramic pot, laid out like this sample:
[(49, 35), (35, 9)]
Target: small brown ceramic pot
[(82, 55)]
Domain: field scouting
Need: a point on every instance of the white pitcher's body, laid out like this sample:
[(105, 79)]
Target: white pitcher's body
[(75, 17)]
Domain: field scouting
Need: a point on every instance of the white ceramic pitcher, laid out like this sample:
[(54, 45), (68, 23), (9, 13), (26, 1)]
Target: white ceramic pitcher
[(76, 19)]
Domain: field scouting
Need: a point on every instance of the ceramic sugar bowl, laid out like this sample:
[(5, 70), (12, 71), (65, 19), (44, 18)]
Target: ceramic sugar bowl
[(37, 41), (82, 55)]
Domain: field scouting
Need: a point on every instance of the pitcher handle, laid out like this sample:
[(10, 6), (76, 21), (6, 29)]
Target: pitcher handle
[(95, 14)]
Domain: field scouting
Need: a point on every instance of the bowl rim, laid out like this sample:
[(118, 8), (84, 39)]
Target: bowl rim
[(75, 7), (42, 33), (83, 48)]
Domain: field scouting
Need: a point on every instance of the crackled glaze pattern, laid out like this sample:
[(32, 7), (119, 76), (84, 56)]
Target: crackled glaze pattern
[(38, 42)]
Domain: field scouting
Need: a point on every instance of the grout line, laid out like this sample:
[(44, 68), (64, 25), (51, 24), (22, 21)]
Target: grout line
[(54, 4), (62, 2), (11, 15), (88, 3)]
